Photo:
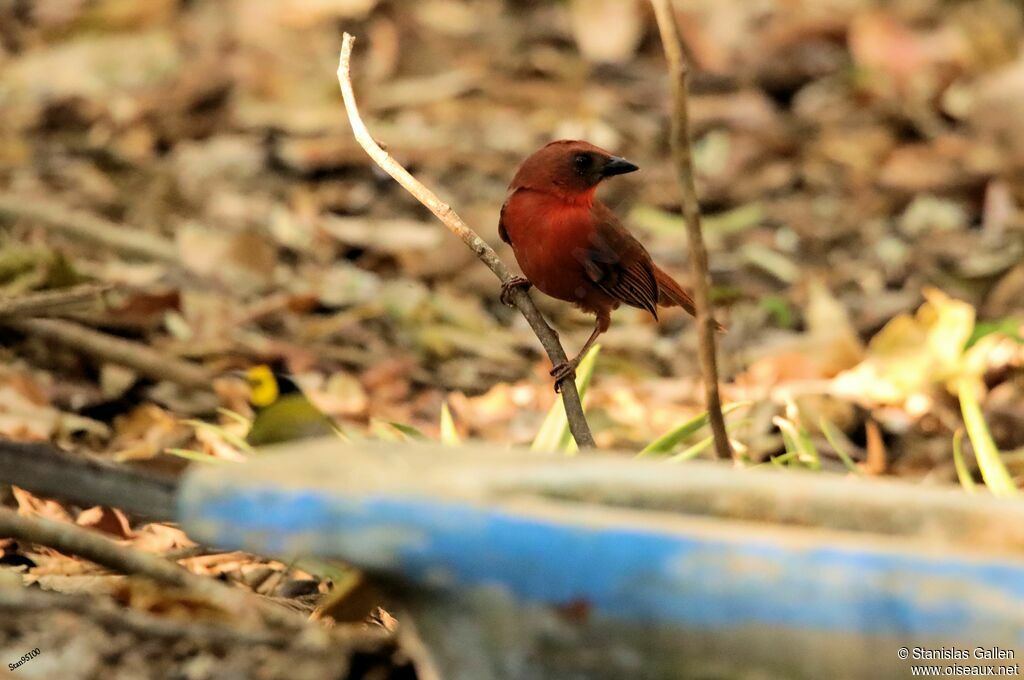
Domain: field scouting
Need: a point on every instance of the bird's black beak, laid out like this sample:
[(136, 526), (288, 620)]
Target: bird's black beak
[(617, 166)]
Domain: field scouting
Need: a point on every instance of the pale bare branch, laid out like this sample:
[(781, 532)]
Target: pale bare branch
[(547, 336)]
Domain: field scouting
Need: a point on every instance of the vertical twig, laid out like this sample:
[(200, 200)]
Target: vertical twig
[(682, 156), (547, 336)]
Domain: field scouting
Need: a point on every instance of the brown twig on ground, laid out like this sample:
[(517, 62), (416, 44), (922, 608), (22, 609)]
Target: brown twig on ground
[(103, 611), (331, 650), (42, 303), (90, 227), (136, 356), (548, 338), (44, 470), (72, 540), (682, 156)]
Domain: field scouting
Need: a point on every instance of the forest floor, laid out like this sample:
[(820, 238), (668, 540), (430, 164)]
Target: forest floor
[(854, 159)]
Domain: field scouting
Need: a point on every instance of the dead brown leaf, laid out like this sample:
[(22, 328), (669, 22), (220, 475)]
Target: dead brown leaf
[(108, 520)]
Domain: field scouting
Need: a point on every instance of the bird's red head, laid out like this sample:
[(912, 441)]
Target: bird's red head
[(569, 168)]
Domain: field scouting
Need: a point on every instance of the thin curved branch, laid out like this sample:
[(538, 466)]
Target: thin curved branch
[(547, 336), (682, 156)]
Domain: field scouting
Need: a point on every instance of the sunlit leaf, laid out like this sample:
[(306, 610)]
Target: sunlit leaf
[(912, 353), (449, 435)]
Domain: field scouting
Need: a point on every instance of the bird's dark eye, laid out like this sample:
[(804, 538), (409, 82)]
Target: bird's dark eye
[(582, 162)]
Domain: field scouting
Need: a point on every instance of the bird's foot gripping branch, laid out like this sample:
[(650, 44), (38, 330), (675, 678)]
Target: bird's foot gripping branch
[(511, 284)]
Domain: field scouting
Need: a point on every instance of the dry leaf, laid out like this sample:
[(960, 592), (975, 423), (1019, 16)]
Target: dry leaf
[(878, 459), (108, 520), (160, 538), (79, 585), (144, 432), (244, 260), (23, 418), (387, 236), (607, 30), (31, 506)]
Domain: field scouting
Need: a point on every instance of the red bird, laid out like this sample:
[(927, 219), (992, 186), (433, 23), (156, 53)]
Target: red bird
[(572, 247)]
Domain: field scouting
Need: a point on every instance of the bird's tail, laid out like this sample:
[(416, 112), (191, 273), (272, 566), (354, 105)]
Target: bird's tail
[(671, 294)]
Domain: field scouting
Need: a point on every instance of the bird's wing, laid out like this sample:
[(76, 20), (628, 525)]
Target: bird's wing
[(618, 264), (502, 231)]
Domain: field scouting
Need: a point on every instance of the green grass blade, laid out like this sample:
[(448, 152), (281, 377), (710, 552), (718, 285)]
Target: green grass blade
[(831, 433), (234, 415), (1009, 327), (342, 435), (783, 458), (554, 434), (449, 435), (810, 451), (962, 473), (664, 444), (389, 430), (691, 452), (792, 452), (798, 441), (995, 474)]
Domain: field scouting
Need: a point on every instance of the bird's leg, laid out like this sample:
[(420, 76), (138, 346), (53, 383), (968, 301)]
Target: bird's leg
[(568, 368), (508, 286)]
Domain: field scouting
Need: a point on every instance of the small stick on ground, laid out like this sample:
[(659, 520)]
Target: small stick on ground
[(44, 470), (72, 540), (89, 227), (134, 355), (43, 303), (547, 336), (682, 156), (17, 601)]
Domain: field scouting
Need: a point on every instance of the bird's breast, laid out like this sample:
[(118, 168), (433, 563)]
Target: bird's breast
[(548, 237)]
